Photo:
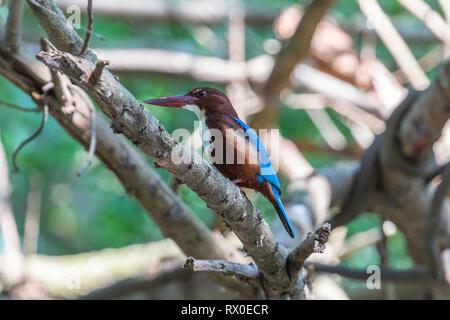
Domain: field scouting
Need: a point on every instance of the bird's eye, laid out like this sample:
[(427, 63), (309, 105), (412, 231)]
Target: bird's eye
[(201, 93)]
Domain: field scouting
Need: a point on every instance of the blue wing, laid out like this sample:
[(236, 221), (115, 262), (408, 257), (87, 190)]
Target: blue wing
[(266, 172)]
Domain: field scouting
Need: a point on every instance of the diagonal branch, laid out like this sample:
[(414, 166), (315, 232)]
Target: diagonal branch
[(429, 17), (394, 42)]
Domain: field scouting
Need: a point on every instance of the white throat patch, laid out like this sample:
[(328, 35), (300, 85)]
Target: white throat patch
[(195, 109), (204, 134)]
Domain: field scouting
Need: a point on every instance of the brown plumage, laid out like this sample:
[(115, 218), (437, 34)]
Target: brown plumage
[(244, 167)]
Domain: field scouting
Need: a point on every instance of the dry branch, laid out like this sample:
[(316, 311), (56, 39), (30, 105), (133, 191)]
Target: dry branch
[(89, 28), (247, 271), (394, 42), (314, 243), (13, 106), (203, 68), (198, 12), (387, 274), (429, 17)]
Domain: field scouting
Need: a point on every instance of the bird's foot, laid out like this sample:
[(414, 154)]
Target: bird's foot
[(236, 181)]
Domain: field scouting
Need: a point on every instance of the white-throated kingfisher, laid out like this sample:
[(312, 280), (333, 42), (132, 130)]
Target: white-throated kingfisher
[(216, 112)]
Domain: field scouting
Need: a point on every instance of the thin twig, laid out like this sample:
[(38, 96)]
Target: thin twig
[(93, 141), (13, 106), (92, 32), (415, 274), (45, 90), (249, 271), (89, 29)]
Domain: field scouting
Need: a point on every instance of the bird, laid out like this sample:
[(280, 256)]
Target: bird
[(249, 165)]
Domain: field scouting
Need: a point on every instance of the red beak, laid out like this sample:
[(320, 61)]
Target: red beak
[(174, 101)]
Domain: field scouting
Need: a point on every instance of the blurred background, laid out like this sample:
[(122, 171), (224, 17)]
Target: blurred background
[(71, 226)]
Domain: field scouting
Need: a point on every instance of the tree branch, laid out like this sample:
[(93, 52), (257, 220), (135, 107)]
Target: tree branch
[(157, 10), (13, 106), (387, 274), (429, 17), (314, 243), (394, 42), (246, 271), (89, 29)]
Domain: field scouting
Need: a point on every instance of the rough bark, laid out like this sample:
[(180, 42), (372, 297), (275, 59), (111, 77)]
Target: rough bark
[(174, 218)]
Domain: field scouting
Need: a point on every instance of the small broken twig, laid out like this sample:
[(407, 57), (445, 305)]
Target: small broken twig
[(97, 73), (248, 271), (175, 184), (314, 243)]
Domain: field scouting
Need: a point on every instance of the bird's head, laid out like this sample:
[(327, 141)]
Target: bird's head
[(202, 101)]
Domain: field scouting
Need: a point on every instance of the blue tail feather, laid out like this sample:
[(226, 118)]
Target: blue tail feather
[(282, 213)]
